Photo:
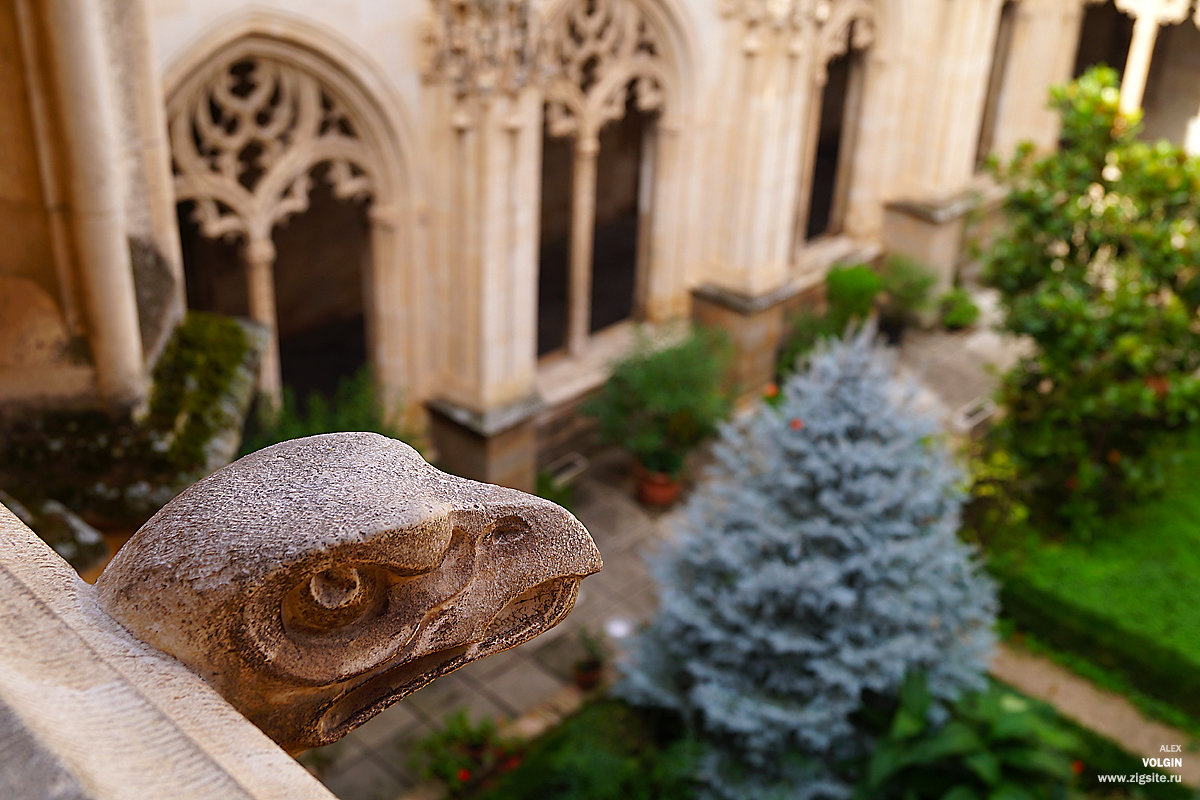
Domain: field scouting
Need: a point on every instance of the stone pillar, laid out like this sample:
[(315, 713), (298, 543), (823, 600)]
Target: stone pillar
[(1042, 54), (771, 106), (583, 227), (927, 220), (1147, 15), (83, 89), (259, 255), (486, 167), (390, 306)]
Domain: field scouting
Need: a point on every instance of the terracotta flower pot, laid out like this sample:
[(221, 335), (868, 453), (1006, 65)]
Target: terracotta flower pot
[(588, 674), (656, 489)]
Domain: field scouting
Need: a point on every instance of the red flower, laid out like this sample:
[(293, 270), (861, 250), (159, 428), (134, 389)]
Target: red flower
[(771, 390), (796, 424), (1157, 384), (511, 763), (464, 775), (1077, 767), (1072, 482)]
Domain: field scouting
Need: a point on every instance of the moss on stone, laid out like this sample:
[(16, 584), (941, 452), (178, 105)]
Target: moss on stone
[(120, 468)]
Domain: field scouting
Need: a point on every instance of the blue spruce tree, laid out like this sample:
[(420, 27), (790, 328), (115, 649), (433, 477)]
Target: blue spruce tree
[(817, 565)]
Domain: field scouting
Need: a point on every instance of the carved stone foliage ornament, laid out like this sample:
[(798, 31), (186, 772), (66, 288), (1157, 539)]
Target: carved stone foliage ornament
[(593, 54), (317, 581), (480, 46), (245, 144), (828, 28)]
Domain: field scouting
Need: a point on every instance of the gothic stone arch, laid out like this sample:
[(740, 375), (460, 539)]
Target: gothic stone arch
[(249, 119), (593, 53)]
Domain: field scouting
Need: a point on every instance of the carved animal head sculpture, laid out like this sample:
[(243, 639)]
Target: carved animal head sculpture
[(317, 581)]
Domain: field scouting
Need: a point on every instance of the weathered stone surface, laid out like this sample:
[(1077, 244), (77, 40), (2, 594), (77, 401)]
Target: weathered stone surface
[(317, 581), (87, 711)]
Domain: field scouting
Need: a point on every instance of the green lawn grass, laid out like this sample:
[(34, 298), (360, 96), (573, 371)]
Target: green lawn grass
[(1128, 599)]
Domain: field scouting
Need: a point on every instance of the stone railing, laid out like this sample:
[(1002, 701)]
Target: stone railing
[(304, 588)]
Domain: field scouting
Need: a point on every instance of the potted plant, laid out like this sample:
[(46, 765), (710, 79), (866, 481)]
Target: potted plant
[(464, 754), (850, 294), (589, 669), (907, 286), (958, 310), (660, 403)]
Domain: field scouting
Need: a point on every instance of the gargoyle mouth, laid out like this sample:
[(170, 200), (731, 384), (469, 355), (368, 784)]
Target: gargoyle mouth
[(529, 614)]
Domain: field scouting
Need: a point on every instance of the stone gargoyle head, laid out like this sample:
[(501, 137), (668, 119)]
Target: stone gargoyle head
[(315, 582)]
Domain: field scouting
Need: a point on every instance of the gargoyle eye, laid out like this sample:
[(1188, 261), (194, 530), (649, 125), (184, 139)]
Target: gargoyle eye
[(509, 530), (333, 599)]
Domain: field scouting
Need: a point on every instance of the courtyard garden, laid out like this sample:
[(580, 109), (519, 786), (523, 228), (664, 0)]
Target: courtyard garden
[(840, 574)]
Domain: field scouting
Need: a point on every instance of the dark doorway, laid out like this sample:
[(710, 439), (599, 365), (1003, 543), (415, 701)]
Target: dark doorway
[(830, 131), (615, 243), (615, 249), (1104, 38), (554, 256), (214, 271), (320, 268)]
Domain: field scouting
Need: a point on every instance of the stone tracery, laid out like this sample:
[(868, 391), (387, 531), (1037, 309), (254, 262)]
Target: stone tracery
[(592, 54), (245, 144), (245, 140)]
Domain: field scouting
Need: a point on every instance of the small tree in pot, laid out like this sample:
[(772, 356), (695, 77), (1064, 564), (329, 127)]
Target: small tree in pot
[(661, 402)]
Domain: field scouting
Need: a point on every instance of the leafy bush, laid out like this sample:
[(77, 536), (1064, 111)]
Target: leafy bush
[(660, 403), (995, 745), (1098, 267), (818, 563), (958, 309), (906, 285), (608, 751), (805, 330), (463, 753), (850, 293), (356, 406)]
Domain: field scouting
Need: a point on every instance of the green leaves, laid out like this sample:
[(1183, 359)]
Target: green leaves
[(660, 403), (994, 746), (1098, 268)]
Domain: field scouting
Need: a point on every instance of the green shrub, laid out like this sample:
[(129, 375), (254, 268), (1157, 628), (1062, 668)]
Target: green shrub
[(805, 329), (660, 403), (958, 310), (906, 285), (995, 744), (463, 753), (850, 293), (607, 751), (355, 406), (1098, 268)]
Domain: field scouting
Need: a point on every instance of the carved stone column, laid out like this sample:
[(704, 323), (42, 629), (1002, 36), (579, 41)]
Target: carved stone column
[(583, 228), (259, 256), (1148, 16), (927, 219), (778, 54), (478, 73), (84, 102), (1042, 55)]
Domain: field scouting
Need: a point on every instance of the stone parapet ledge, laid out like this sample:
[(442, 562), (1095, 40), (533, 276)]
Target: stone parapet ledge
[(306, 586)]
